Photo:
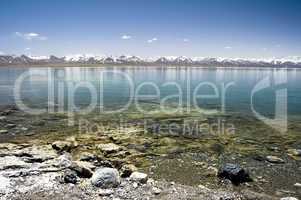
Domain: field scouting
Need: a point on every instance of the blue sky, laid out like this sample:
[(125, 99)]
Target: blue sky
[(215, 28)]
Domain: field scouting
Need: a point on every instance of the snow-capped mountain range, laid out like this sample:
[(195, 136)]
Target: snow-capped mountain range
[(294, 61)]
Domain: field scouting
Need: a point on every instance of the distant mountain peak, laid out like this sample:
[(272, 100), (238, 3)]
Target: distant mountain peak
[(292, 61)]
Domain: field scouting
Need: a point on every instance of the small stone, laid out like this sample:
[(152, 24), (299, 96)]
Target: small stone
[(274, 159), (139, 177), (288, 198), (156, 191), (82, 169), (297, 185), (3, 131), (70, 177), (234, 173), (212, 171), (203, 187), (109, 148), (63, 161), (62, 146), (105, 192), (86, 156), (127, 170), (11, 125), (24, 129), (105, 178), (135, 185), (2, 118), (295, 152), (5, 184), (150, 181)]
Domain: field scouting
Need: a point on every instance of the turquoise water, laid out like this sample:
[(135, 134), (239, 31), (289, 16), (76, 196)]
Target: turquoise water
[(112, 85)]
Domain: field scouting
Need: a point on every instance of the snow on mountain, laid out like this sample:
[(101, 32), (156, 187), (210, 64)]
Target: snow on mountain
[(39, 57), (292, 61)]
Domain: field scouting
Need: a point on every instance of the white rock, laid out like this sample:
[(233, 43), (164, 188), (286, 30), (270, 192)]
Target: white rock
[(109, 148), (297, 185), (3, 131), (274, 159), (105, 192), (156, 191), (4, 185), (289, 198), (139, 177)]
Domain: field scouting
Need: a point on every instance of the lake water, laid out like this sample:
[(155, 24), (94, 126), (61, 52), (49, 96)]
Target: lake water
[(228, 89)]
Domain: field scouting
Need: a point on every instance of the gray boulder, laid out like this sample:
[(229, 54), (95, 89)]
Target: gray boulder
[(105, 178)]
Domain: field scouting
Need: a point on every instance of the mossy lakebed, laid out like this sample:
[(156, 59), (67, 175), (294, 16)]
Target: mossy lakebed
[(189, 158)]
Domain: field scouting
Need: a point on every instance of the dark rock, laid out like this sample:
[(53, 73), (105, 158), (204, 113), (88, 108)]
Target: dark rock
[(70, 177), (89, 157), (127, 170), (234, 173), (62, 146), (82, 169)]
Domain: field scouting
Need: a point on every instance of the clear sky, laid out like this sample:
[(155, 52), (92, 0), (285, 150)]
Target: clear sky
[(215, 28)]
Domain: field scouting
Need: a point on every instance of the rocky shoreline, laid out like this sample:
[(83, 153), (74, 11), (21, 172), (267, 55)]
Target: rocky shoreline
[(48, 171), (42, 158)]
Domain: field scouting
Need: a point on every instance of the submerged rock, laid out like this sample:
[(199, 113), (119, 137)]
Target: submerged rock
[(109, 148), (62, 146), (234, 173), (139, 177), (86, 156), (105, 178), (274, 159)]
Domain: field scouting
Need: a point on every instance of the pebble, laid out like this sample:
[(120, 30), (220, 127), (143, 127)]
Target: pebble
[(3, 131), (139, 177), (295, 152), (289, 198), (135, 185), (2, 118), (298, 185), (127, 170), (105, 192), (11, 125), (274, 159), (156, 191), (62, 146), (109, 148), (70, 177)]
